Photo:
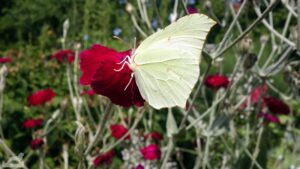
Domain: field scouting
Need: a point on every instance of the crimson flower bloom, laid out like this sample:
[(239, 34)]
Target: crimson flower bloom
[(63, 55), (88, 92), (216, 81), (36, 143), (118, 131), (32, 123), (40, 97), (98, 65), (154, 135), (191, 10), (105, 158), (5, 60), (255, 95), (269, 117), (276, 106), (151, 152)]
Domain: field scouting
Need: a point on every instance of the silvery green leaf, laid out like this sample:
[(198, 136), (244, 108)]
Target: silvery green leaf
[(172, 127), (66, 26)]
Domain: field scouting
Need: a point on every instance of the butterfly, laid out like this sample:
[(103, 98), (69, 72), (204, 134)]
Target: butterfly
[(165, 65)]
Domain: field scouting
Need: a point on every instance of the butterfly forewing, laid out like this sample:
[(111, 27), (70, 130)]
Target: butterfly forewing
[(168, 61)]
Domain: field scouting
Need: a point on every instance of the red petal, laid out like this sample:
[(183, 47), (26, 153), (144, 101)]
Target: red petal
[(91, 59), (98, 65)]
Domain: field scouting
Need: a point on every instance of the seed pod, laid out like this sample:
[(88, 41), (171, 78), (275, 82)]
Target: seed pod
[(249, 60)]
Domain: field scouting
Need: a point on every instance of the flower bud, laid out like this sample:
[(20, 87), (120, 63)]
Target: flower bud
[(264, 39), (245, 45), (129, 8)]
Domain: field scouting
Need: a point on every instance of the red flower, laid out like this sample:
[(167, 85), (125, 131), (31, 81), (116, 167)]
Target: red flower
[(63, 55), (40, 97), (88, 92), (255, 95), (32, 123), (216, 81), (39, 122), (276, 106), (191, 10), (98, 64), (268, 117), (105, 158), (118, 131), (151, 152), (36, 143), (5, 60), (154, 135)]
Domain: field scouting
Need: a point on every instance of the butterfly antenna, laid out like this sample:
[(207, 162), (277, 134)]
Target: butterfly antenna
[(134, 43), (121, 40)]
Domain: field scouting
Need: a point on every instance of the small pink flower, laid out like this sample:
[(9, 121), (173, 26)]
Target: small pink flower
[(5, 60), (40, 97), (216, 81), (64, 55), (105, 158), (32, 123), (154, 135), (151, 152), (118, 131), (276, 106), (269, 117), (36, 143)]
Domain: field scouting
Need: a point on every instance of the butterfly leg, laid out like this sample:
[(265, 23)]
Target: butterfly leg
[(126, 58), (132, 75), (121, 68)]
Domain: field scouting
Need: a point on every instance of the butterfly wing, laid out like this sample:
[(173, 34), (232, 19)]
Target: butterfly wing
[(168, 61)]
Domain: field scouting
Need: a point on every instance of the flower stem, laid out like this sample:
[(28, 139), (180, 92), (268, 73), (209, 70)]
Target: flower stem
[(100, 128), (168, 153)]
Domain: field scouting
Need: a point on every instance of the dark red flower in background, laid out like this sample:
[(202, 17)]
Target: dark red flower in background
[(88, 92), (98, 65), (105, 158), (216, 81), (269, 117), (151, 152), (40, 97), (191, 10), (5, 59), (64, 55), (32, 123), (276, 106), (118, 131), (36, 143), (154, 135), (139, 167)]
